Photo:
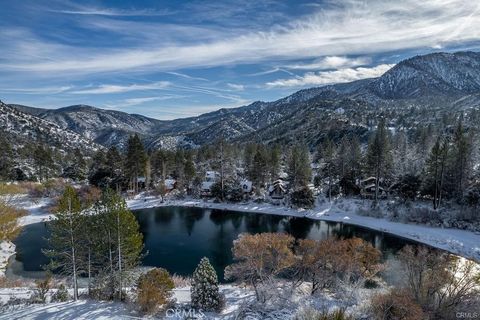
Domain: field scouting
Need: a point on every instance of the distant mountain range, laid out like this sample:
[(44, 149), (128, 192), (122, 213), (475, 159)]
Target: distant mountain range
[(427, 84)]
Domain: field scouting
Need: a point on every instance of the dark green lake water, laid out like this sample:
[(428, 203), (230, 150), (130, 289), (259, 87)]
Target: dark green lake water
[(176, 238)]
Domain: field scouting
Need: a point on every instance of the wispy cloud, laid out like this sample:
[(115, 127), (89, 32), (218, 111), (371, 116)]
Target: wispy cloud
[(330, 77), (236, 87), (186, 76), (112, 88), (77, 9), (39, 90), (331, 62), (140, 101)]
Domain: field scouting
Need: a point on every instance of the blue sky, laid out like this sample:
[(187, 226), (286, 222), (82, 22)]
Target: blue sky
[(172, 59)]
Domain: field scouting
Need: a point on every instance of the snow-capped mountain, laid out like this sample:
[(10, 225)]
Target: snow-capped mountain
[(107, 127), (21, 127), (441, 80), (449, 74)]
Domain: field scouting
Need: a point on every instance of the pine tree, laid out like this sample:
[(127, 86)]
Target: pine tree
[(299, 170), (65, 237), (379, 156), (460, 166), (6, 156), (42, 157), (435, 171), (189, 169), (259, 169), (204, 290), (329, 163), (274, 162), (136, 160)]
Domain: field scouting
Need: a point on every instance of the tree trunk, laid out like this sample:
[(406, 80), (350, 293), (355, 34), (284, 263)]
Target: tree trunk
[(72, 244), (119, 257)]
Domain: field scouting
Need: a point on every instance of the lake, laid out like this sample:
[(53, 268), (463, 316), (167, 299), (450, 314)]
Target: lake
[(176, 238)]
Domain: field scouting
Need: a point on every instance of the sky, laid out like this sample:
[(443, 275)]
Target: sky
[(175, 59)]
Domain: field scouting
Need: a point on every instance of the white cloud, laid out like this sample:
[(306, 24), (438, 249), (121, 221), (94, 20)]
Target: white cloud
[(341, 28), (77, 9), (112, 88), (40, 90), (330, 77), (236, 87), (331, 62), (138, 101)]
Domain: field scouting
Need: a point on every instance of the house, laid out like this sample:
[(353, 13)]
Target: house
[(277, 190), (170, 184), (367, 188), (247, 186), (211, 177)]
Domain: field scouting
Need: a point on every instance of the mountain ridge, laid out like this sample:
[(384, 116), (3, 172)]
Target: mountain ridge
[(436, 79)]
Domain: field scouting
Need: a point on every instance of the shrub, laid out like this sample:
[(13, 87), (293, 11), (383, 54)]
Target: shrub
[(441, 283), (154, 290), (41, 290), (181, 282), (9, 226), (303, 198), (61, 295), (313, 314), (235, 194), (204, 290), (395, 305)]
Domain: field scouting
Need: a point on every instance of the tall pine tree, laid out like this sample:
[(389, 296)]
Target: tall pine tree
[(379, 160), (135, 161)]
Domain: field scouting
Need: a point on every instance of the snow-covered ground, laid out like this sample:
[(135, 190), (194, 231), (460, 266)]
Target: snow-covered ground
[(90, 309), (7, 249), (461, 242)]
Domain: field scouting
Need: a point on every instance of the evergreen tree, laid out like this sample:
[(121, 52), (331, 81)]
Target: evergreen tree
[(435, 171), (329, 164), (259, 171), (379, 159), (274, 162), (42, 157), (299, 170), (77, 170), (65, 237), (179, 168), (189, 169), (248, 156), (135, 161), (114, 165), (6, 158), (204, 290), (461, 156), (223, 162)]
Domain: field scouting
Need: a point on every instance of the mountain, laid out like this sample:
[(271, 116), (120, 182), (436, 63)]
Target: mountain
[(21, 127), (106, 127), (421, 86), (437, 74)]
